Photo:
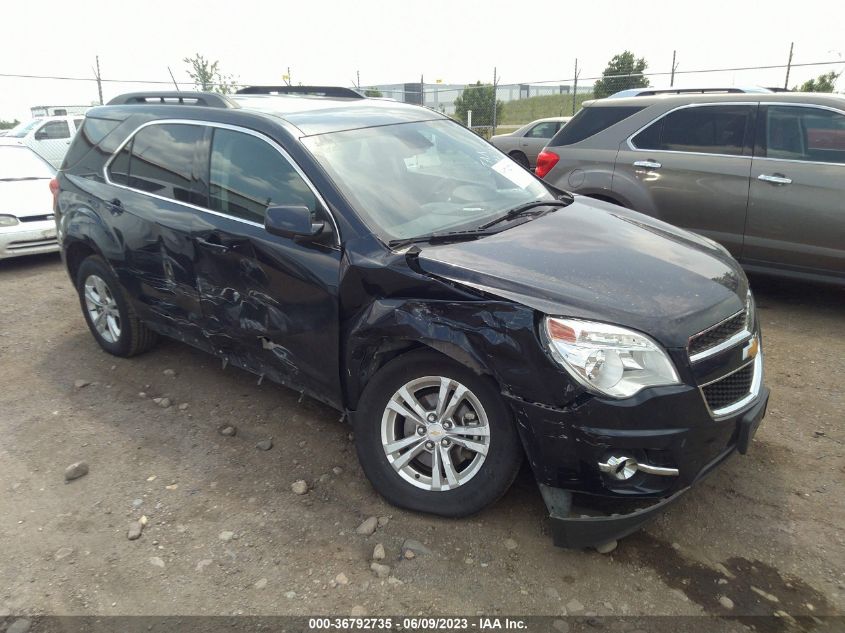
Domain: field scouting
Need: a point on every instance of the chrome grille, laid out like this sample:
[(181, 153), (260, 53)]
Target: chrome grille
[(729, 390), (719, 333)]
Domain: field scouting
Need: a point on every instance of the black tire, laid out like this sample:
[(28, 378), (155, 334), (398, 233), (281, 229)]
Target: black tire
[(495, 474), (134, 337), (520, 158)]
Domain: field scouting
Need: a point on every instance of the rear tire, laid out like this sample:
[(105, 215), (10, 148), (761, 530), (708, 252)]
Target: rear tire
[(108, 312), (436, 414), (520, 158)]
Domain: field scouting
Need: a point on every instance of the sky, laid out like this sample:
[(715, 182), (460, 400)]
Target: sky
[(326, 42)]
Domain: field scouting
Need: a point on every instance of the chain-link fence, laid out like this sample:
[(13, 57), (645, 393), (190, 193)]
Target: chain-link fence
[(506, 107)]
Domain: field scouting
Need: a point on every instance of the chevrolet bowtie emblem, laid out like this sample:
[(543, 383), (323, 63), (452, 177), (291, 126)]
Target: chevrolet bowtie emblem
[(750, 350)]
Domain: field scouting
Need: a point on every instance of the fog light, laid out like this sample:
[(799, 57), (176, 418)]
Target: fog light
[(620, 468)]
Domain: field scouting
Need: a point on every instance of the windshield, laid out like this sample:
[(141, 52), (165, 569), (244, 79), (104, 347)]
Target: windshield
[(415, 179), (21, 162), (22, 129)]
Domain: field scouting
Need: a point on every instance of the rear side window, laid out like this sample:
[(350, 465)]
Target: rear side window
[(806, 134), (704, 130), (159, 159), (248, 175), (591, 121), (53, 130), (546, 129)]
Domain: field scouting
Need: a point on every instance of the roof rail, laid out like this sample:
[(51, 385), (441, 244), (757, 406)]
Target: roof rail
[(171, 97), (313, 91), (649, 92)]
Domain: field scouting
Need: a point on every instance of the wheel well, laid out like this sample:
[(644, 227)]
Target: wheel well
[(75, 255), (379, 357)]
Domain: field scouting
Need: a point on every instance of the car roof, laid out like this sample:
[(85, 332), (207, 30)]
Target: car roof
[(816, 98), (319, 115)]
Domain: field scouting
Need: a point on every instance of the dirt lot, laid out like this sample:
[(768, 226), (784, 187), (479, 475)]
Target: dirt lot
[(226, 535)]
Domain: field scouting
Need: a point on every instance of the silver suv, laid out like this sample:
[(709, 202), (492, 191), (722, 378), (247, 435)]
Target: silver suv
[(761, 173)]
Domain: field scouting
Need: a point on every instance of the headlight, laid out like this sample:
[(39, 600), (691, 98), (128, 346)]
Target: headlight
[(8, 220), (607, 359)]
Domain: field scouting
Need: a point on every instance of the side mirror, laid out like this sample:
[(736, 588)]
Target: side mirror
[(293, 222)]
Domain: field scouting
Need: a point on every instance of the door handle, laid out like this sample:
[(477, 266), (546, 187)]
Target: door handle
[(775, 179), (648, 164), (215, 246)]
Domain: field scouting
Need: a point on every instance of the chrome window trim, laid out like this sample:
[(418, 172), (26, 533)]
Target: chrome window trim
[(225, 126), (753, 392), (634, 148)]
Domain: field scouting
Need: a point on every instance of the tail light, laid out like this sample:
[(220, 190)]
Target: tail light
[(545, 161), (54, 189)]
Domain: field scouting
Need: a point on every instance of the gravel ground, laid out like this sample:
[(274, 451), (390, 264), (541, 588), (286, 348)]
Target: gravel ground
[(227, 534)]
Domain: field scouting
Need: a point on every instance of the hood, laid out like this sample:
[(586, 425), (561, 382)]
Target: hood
[(23, 198), (597, 261)]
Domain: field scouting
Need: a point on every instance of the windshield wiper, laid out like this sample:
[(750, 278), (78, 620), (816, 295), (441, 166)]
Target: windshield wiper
[(522, 208), (434, 238)]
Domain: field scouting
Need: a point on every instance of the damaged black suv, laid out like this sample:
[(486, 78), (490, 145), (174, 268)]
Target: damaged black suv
[(385, 260)]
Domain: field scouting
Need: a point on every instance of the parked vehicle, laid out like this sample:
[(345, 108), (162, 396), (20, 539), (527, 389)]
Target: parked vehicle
[(524, 144), (761, 173), (383, 259), (49, 137), (27, 226)]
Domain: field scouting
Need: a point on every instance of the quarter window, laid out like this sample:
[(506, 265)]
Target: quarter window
[(591, 121), (806, 134), (702, 130), (160, 159), (248, 175), (546, 129)]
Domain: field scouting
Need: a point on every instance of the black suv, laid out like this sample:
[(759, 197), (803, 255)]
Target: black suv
[(387, 261)]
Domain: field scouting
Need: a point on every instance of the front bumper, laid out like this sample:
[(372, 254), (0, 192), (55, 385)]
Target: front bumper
[(28, 238), (669, 427)]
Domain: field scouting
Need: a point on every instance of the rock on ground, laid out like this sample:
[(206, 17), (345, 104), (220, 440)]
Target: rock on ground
[(227, 430), (358, 611), (511, 544), (135, 529), (76, 470), (261, 583), (368, 526), (299, 487), (155, 560), (264, 445), (726, 602), (606, 548), (79, 384), (341, 579), (378, 552), (382, 571), (410, 545), (226, 536)]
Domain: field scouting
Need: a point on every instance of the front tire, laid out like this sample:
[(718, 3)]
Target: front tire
[(434, 436), (107, 311)]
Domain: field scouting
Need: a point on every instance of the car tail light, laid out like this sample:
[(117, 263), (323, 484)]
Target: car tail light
[(54, 189), (545, 161)]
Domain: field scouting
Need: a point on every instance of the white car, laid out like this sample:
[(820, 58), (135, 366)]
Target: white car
[(27, 226), (49, 136)]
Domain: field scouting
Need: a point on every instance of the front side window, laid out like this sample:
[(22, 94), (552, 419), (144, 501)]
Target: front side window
[(248, 175), (159, 159), (413, 179), (704, 130), (22, 129), (53, 130), (590, 121), (806, 134), (546, 129)]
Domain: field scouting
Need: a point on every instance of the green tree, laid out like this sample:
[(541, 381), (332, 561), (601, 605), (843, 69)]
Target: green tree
[(822, 83), (8, 125), (479, 98), (372, 92), (624, 71), (208, 77)]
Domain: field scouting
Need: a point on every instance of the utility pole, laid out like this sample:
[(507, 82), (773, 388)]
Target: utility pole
[(99, 81), (674, 68), (422, 91), (495, 90), (173, 78), (788, 67), (575, 86), (358, 78)]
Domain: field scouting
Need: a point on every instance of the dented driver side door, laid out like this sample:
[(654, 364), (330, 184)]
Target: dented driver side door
[(269, 304)]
